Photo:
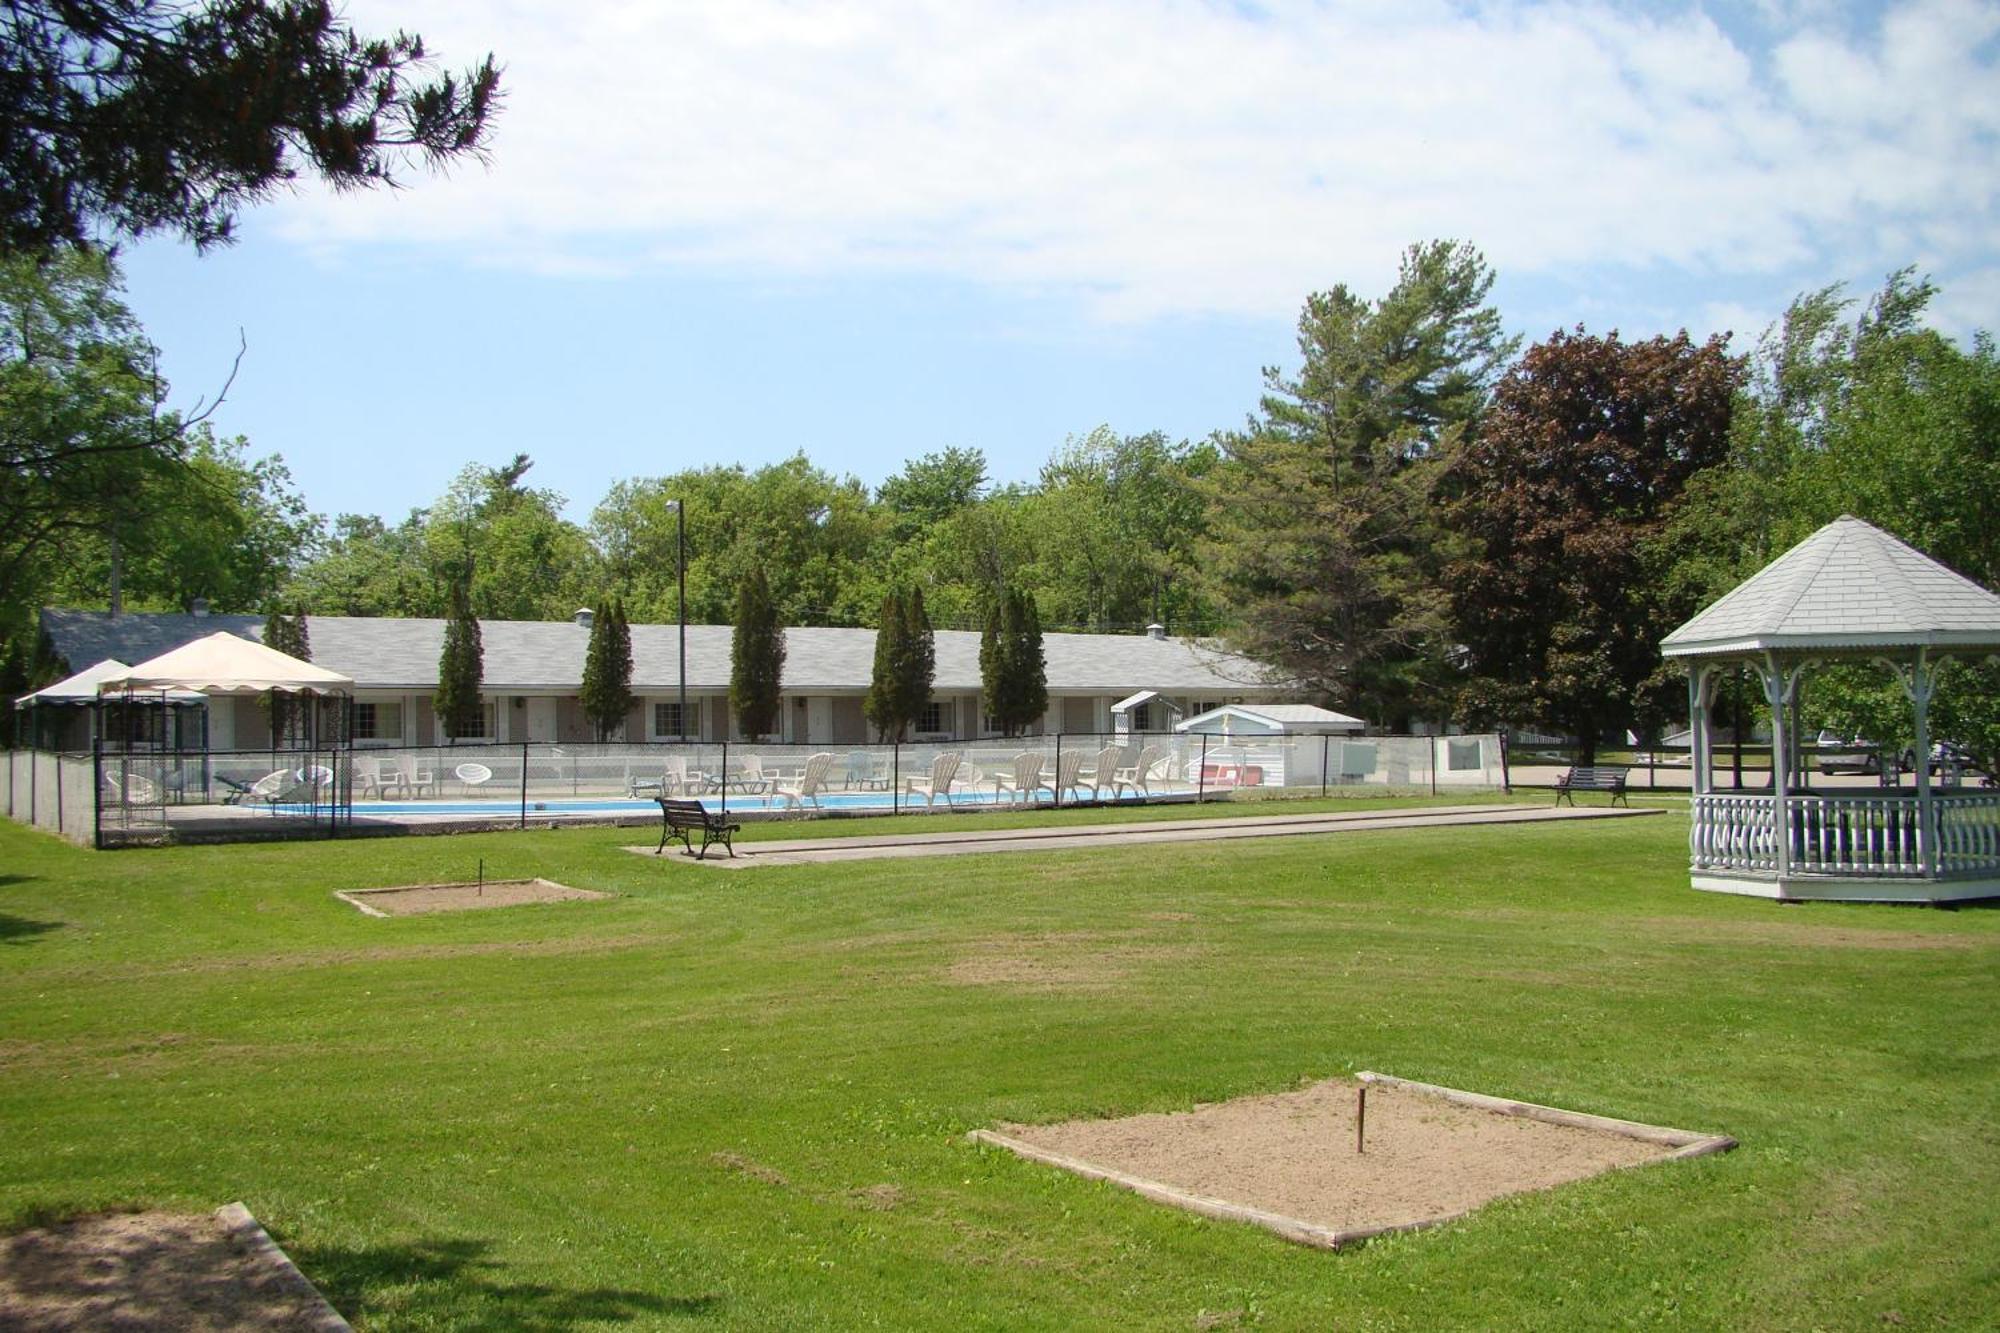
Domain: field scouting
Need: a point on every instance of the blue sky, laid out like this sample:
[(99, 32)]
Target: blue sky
[(717, 233)]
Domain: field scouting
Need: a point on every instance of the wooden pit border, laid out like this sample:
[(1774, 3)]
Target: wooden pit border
[(354, 897), (247, 1231), (1685, 1144)]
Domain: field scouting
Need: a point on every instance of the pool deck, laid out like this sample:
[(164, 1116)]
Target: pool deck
[(979, 842)]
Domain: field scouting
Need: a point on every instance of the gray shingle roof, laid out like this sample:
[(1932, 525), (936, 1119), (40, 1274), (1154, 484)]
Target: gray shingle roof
[(541, 656), (1848, 586)]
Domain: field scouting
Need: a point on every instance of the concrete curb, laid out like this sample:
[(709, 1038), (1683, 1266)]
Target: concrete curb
[(248, 1232), (1081, 836)]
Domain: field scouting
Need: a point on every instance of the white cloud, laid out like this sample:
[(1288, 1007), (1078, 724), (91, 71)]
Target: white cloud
[(1179, 157)]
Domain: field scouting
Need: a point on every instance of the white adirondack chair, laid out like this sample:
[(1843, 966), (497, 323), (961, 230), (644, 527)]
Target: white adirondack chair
[(809, 784), (944, 769), (1023, 781)]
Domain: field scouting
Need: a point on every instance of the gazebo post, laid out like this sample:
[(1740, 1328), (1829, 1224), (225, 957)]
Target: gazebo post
[(1918, 683), (1776, 693)]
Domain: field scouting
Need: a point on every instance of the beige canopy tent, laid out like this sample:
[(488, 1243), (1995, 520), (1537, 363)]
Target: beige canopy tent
[(223, 663), (1848, 593), (82, 687), (226, 664), (69, 726)]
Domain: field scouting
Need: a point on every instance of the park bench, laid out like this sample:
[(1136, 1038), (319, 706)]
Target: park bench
[(1587, 778), (683, 819)]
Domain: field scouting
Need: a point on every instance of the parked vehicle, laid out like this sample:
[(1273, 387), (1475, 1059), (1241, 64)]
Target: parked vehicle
[(1949, 760), (1839, 755)]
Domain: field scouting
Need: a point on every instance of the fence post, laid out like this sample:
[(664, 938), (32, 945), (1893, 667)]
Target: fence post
[(1058, 773), (1201, 773), (895, 777), (1325, 760), (524, 784), (97, 793), (722, 778), (1506, 773)]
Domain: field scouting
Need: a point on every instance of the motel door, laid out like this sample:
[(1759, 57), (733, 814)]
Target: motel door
[(819, 720)]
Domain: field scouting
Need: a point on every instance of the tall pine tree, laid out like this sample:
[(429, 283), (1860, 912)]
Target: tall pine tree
[(287, 712), (461, 666), (905, 662), (880, 706), (606, 692), (1013, 673), (917, 661), (1324, 535), (1027, 664), (756, 658)]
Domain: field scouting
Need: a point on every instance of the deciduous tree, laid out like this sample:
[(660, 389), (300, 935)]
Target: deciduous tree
[(1566, 497)]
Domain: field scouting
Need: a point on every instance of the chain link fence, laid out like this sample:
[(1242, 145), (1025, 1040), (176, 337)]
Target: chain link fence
[(119, 798)]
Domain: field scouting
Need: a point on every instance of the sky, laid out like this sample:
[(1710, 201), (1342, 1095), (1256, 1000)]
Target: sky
[(715, 233)]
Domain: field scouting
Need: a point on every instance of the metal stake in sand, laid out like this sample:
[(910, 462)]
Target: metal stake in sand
[(1360, 1115)]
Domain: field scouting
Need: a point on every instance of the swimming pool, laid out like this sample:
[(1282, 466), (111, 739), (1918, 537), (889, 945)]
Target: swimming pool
[(858, 801)]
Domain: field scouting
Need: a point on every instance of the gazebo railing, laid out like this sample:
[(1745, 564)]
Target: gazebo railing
[(1862, 834), (1734, 831), (1968, 833)]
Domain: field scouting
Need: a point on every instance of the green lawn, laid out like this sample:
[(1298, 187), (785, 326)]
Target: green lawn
[(738, 1099)]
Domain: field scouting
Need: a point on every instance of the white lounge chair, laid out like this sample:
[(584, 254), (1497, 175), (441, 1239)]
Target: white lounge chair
[(866, 771), (1139, 775), (746, 774), (1069, 775), (944, 769), (808, 785), (292, 786), (1024, 781), (673, 779), (470, 776), (133, 789)]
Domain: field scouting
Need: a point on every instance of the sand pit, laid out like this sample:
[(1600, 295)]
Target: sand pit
[(216, 1273), (416, 899), (1287, 1161)]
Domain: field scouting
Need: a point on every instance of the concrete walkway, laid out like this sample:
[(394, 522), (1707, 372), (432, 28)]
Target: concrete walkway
[(979, 842)]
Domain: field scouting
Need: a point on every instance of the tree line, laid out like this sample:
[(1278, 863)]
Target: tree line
[(1422, 519)]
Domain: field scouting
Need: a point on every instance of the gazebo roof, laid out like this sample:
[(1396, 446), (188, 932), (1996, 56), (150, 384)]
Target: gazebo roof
[(1850, 587)]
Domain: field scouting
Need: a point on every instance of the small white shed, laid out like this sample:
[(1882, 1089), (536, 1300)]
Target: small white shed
[(1257, 720), (1266, 745)]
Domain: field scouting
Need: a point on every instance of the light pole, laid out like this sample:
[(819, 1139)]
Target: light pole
[(681, 540)]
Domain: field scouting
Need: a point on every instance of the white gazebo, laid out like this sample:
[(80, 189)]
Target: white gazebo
[(1848, 593)]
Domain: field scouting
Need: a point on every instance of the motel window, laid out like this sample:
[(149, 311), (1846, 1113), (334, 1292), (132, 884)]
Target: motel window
[(482, 728), (1142, 717), (378, 722), (933, 720), (667, 720)]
